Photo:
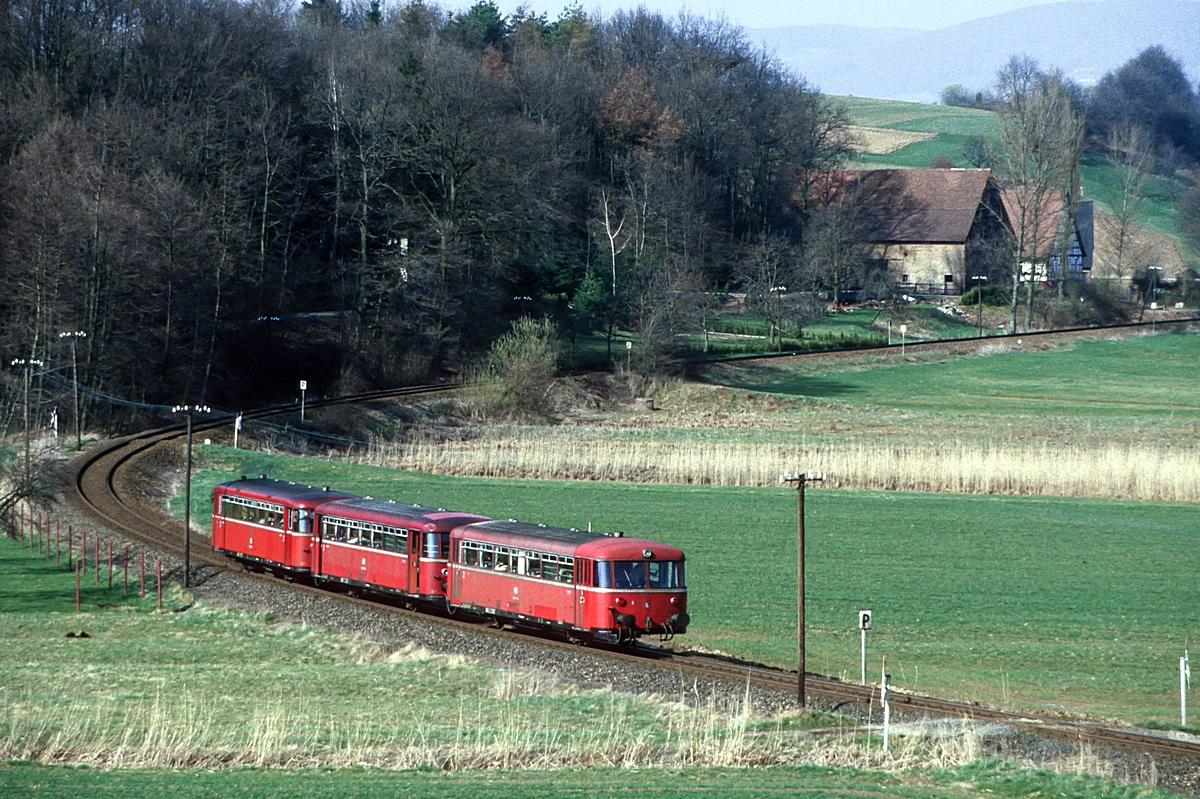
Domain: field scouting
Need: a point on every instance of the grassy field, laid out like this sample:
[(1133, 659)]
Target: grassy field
[(1140, 378), (1037, 603), (991, 779), (199, 702)]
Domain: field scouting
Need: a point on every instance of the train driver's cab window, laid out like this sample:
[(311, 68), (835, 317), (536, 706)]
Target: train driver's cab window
[(621, 574), (665, 573)]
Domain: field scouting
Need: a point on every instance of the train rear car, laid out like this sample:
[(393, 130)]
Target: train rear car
[(386, 546), (268, 523), (590, 585)]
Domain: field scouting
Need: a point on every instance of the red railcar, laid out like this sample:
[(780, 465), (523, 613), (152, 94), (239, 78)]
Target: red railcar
[(591, 585), (386, 546), (268, 523)]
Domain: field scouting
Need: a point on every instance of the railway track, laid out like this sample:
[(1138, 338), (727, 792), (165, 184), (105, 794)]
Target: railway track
[(102, 486)]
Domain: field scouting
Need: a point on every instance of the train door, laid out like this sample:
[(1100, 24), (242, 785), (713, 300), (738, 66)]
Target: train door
[(583, 577), (414, 561), (218, 524), (314, 523)]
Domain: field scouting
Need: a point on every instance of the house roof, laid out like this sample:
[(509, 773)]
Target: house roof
[(1043, 211), (915, 206)]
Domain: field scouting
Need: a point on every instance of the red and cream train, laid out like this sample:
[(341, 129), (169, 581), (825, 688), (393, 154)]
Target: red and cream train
[(588, 585)]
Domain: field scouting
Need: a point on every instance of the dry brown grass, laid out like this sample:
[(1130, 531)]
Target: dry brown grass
[(1153, 472)]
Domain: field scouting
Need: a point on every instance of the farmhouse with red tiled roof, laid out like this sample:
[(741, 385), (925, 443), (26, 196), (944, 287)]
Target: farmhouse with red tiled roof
[(933, 229)]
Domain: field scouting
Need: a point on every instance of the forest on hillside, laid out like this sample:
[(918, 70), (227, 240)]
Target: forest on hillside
[(182, 179)]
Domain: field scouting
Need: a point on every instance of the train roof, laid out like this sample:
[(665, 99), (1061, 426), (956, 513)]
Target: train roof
[(283, 491), (400, 514), (568, 541)]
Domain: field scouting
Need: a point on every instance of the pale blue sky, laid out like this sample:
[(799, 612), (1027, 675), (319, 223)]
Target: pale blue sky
[(925, 14)]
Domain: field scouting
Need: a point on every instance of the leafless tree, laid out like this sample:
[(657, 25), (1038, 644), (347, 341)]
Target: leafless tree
[(1040, 134)]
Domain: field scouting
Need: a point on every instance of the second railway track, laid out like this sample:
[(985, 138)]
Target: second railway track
[(103, 487)]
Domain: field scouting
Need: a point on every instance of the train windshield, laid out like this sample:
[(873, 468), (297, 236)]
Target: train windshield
[(639, 574)]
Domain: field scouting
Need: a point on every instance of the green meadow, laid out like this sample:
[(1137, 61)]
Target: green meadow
[(1140, 379)]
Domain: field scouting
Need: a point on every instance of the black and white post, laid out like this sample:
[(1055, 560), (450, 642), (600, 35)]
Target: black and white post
[(800, 480), (188, 411), (864, 624), (303, 388), (1185, 682), (885, 699)]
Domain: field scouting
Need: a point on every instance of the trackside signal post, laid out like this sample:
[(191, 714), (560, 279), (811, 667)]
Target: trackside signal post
[(800, 480)]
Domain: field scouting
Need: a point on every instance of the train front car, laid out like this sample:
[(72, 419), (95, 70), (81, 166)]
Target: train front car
[(268, 524), (387, 547), (588, 585)]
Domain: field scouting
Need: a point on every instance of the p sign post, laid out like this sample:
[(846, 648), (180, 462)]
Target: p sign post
[(303, 388)]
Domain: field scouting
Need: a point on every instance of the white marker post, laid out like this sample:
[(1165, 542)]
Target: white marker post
[(903, 336), (887, 708), (1185, 682), (864, 624), (303, 388), (237, 428)]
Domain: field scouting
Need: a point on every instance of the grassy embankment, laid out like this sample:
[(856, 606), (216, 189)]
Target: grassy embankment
[(199, 702)]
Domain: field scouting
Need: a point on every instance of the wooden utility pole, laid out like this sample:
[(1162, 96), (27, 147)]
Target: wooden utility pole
[(800, 480)]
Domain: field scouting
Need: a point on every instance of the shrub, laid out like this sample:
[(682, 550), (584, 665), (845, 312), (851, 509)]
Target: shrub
[(515, 378)]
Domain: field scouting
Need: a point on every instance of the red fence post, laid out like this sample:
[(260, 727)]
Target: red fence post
[(70, 549), (83, 548), (158, 571), (97, 560)]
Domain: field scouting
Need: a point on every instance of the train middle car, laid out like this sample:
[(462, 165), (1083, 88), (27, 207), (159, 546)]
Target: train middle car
[(591, 585), (386, 546)]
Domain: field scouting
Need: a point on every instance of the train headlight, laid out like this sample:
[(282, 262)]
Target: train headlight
[(621, 602), (675, 601)]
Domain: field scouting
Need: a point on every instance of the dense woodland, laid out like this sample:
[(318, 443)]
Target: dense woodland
[(226, 197), (184, 178)]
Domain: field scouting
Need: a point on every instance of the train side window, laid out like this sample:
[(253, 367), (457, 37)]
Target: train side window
[(502, 559), (566, 570), (604, 574), (470, 553), (533, 565), (432, 546), (486, 556)]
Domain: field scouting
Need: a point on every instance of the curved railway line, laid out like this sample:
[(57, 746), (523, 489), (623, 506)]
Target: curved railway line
[(101, 486)]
